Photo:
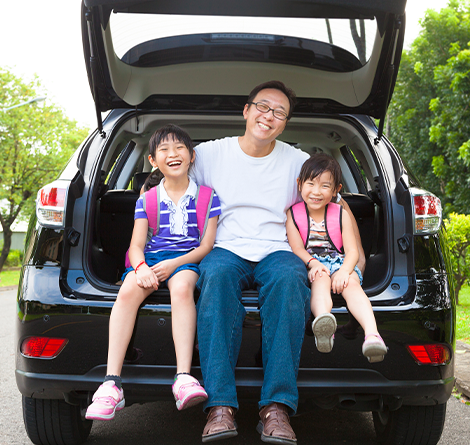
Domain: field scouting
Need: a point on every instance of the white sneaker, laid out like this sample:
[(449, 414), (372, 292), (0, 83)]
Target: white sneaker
[(324, 328)]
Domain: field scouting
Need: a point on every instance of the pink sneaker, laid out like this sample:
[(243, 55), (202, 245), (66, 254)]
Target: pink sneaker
[(187, 391), (374, 348), (106, 401)]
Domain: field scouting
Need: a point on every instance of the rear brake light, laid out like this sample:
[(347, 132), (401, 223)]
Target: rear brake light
[(433, 354), (427, 212), (50, 204), (43, 347)]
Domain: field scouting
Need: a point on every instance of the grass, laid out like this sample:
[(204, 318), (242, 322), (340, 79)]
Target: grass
[(463, 315), (9, 277)]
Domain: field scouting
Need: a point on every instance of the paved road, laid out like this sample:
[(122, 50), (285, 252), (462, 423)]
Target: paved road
[(161, 423)]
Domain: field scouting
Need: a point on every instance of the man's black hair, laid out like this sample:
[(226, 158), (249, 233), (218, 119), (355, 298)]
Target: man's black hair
[(276, 85)]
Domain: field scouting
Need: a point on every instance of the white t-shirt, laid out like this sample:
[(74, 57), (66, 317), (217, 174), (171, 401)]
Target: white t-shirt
[(254, 194)]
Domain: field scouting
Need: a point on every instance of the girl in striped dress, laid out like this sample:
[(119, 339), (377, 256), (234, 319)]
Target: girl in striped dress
[(331, 269)]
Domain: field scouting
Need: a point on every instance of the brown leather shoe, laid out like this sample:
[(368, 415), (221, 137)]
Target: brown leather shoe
[(220, 424), (274, 425)]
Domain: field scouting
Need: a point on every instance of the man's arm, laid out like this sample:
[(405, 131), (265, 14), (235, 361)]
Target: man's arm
[(196, 169)]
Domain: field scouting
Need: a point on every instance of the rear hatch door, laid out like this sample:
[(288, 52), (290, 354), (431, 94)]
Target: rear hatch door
[(340, 56)]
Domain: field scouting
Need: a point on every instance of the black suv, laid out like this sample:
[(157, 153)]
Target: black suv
[(147, 74)]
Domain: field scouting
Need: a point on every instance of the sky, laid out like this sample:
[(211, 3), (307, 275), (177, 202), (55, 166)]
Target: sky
[(44, 39)]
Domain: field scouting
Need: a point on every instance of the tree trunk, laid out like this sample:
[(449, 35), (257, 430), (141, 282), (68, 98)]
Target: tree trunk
[(328, 28), (359, 40), (7, 234)]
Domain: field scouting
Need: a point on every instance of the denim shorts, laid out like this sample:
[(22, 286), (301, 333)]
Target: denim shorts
[(333, 264), (152, 258)]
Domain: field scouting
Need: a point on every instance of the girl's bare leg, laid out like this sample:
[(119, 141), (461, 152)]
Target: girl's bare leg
[(320, 301), (122, 321), (324, 325), (359, 305), (183, 317)]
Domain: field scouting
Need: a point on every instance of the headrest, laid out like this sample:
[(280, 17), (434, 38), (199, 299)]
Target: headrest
[(138, 181)]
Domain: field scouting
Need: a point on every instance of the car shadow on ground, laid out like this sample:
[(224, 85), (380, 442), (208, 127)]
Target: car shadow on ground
[(144, 424)]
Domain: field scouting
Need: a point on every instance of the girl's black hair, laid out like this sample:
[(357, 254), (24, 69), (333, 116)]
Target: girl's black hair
[(177, 134), (174, 132), (317, 164), (153, 179)]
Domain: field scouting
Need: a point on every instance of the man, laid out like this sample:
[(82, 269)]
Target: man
[(255, 178)]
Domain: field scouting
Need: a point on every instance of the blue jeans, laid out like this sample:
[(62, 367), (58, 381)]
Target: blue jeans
[(284, 301)]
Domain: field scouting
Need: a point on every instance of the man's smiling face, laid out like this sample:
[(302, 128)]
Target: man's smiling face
[(264, 127)]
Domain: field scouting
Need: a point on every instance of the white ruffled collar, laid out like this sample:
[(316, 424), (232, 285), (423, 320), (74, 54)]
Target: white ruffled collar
[(190, 191), (178, 212)]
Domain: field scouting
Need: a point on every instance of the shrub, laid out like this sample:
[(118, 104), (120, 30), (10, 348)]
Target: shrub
[(458, 235), (14, 259)]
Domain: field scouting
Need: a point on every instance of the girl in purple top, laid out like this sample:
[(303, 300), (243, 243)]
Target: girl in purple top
[(172, 256)]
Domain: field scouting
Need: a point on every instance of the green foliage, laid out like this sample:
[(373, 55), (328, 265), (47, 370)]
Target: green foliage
[(463, 315), (464, 297), (14, 259), (458, 239), (429, 116), (36, 140)]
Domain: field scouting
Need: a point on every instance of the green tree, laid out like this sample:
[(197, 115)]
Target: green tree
[(35, 143), (429, 115), (450, 127), (458, 236)]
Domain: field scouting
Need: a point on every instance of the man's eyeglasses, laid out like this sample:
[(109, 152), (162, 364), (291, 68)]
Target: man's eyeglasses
[(278, 114)]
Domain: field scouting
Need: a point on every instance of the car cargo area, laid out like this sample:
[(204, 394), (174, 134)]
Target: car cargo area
[(124, 168)]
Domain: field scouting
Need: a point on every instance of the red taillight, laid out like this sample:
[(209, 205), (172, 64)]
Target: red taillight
[(427, 212), (50, 204), (426, 205), (433, 354), (43, 347), (52, 196)]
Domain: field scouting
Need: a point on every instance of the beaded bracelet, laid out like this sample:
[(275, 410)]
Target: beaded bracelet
[(140, 264)]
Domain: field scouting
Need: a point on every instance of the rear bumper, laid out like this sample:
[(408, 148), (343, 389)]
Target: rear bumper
[(359, 389)]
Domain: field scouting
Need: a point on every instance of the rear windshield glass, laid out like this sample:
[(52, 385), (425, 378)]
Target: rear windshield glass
[(158, 40)]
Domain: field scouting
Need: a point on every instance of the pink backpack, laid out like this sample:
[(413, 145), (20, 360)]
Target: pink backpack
[(333, 228), (151, 198)]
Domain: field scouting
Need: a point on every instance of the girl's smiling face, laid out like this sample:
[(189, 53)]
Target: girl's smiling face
[(172, 158), (317, 192)]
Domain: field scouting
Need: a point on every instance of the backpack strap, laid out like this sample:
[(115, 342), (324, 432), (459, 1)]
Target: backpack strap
[(204, 197), (333, 225), (151, 203), (299, 214)]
